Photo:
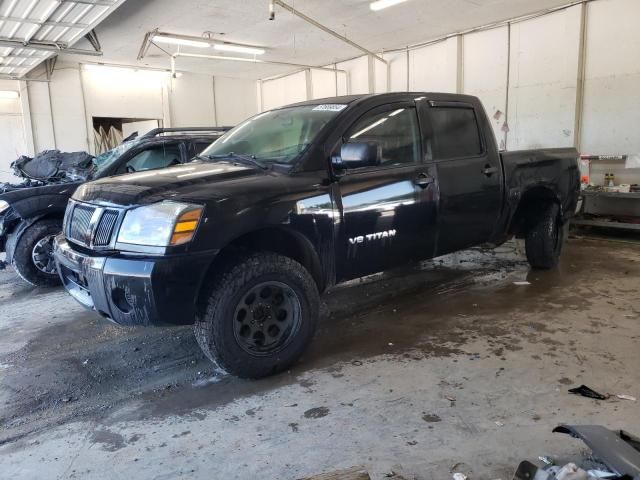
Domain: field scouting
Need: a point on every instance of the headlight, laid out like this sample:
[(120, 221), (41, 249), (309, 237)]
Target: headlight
[(3, 206), (160, 225)]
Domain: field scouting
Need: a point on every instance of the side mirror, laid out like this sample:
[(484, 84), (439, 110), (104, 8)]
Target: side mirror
[(358, 155)]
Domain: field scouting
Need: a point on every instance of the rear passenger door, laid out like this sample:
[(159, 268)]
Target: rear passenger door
[(469, 177)]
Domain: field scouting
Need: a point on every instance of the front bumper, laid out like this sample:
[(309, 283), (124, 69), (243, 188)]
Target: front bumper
[(134, 291)]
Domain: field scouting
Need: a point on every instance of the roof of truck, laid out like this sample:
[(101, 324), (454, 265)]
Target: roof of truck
[(347, 99)]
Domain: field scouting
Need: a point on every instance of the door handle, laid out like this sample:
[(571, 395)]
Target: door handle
[(423, 180), (489, 170)]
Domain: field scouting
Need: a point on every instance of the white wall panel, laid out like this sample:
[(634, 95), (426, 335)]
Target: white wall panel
[(68, 109), (397, 71), (358, 75), (485, 64), (323, 84), (380, 70), (124, 93), (612, 78), (434, 68), (192, 101), (236, 100), (544, 71), (285, 90), (41, 119)]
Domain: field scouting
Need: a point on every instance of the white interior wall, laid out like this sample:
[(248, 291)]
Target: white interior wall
[(434, 68), (612, 78), (191, 101), (68, 110), (41, 118), (543, 80), (397, 71), (381, 75), (357, 76), (323, 84), (542, 94), (485, 64), (12, 138), (236, 100), (284, 90)]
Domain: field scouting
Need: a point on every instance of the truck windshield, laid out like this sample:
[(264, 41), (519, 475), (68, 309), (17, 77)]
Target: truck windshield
[(276, 136), (103, 161)]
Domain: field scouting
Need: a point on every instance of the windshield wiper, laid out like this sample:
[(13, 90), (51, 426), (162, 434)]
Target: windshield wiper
[(250, 159)]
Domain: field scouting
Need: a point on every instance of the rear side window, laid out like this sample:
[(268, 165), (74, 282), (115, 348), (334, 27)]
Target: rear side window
[(455, 132)]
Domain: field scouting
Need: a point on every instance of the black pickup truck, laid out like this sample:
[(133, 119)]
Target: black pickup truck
[(31, 217), (242, 240)]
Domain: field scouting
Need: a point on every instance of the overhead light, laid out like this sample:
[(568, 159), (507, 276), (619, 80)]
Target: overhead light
[(227, 47), (181, 41), (380, 4), (8, 94)]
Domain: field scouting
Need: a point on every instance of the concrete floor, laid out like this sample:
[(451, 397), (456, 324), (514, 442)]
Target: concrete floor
[(447, 366)]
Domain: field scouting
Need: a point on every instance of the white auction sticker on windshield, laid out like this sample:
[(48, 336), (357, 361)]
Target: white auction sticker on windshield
[(330, 107)]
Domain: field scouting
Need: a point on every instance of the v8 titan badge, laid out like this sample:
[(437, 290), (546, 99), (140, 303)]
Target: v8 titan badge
[(372, 236)]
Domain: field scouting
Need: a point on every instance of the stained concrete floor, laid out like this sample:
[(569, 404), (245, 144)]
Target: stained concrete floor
[(446, 366)]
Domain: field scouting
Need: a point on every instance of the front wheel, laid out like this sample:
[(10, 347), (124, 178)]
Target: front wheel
[(260, 316), (545, 238), (33, 255)]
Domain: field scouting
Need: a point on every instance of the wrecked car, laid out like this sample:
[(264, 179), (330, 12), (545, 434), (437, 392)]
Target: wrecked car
[(31, 213), (614, 455), (295, 200)]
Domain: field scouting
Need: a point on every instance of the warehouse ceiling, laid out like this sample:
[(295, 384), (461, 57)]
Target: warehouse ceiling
[(288, 38), (33, 30)]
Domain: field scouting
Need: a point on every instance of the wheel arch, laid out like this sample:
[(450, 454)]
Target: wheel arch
[(529, 208), (279, 239)]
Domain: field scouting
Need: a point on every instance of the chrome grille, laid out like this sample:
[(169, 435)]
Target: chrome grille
[(105, 227), (80, 224), (91, 226)]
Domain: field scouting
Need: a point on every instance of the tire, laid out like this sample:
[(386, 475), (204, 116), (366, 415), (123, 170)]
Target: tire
[(262, 341), (545, 238), (23, 256)]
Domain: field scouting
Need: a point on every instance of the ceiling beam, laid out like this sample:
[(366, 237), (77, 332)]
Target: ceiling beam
[(46, 47), (98, 3), (316, 24), (33, 21)]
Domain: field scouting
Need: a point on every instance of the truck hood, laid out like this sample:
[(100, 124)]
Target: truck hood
[(195, 181)]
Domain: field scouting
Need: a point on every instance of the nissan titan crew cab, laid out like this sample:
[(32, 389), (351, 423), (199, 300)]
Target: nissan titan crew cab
[(241, 241)]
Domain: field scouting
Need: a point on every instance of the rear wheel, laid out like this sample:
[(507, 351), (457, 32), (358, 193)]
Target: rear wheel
[(33, 255), (260, 316), (545, 238)]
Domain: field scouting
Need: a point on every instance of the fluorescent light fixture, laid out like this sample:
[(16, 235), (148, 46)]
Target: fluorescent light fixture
[(181, 41), (380, 4), (8, 94), (227, 47)]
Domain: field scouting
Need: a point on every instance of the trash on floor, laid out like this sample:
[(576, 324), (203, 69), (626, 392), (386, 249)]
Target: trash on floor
[(585, 391), (626, 397), (522, 283), (459, 476)]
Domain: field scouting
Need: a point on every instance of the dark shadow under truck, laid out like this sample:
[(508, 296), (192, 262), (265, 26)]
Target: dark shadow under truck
[(294, 200), (31, 213)]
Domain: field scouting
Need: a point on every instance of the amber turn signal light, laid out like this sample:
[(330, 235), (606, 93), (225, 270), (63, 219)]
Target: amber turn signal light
[(186, 226)]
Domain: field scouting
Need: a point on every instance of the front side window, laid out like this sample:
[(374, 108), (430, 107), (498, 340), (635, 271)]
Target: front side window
[(159, 156), (395, 132), (276, 136), (455, 132)]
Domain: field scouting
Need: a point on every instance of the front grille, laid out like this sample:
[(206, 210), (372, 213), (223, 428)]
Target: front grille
[(80, 229), (80, 224), (105, 228)]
